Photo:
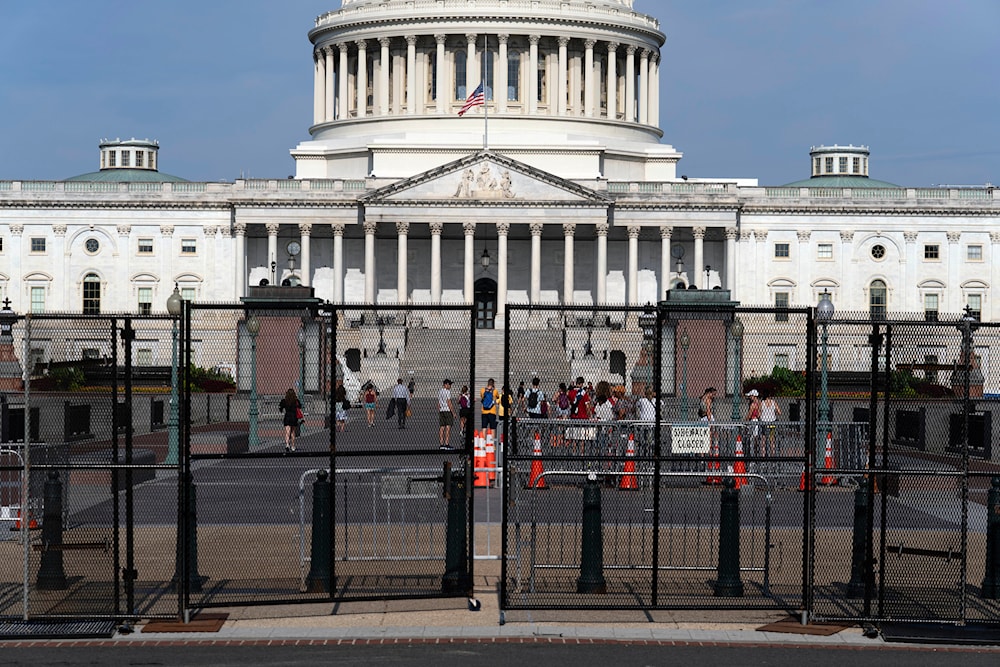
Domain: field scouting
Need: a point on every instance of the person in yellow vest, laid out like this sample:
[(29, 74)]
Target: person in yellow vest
[(489, 400)]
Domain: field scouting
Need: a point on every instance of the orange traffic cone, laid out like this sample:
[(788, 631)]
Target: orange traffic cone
[(828, 463), (480, 477), (628, 480), (739, 467), (491, 457), (806, 483), (536, 481), (713, 465), (32, 523)]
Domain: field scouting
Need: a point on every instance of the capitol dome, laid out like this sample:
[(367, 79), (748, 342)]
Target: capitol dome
[(570, 86)]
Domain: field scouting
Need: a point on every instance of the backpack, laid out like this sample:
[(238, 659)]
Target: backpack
[(488, 400), (545, 408), (533, 399), (564, 401)]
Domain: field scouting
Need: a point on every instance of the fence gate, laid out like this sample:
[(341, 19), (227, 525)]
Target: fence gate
[(915, 504), (621, 499)]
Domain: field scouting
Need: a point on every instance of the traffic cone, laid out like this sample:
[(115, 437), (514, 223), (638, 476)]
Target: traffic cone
[(628, 480), (32, 522), (828, 463), (739, 467), (805, 485), (481, 478), (713, 465), (536, 466), (491, 457)]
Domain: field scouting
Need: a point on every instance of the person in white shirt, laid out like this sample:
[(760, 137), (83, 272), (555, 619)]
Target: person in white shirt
[(446, 414), (534, 398), (645, 407)]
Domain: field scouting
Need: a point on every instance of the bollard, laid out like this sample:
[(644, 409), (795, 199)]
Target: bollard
[(856, 586), (591, 545), (991, 581), (51, 575), (318, 579), (456, 577), (194, 579), (728, 583)]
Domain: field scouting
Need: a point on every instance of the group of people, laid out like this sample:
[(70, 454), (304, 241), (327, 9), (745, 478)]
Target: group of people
[(762, 414), (576, 400)]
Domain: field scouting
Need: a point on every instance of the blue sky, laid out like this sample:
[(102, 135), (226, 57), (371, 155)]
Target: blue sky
[(747, 87)]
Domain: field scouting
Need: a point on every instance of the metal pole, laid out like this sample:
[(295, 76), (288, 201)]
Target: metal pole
[(254, 436), (172, 439), (735, 414), (824, 402), (685, 343)]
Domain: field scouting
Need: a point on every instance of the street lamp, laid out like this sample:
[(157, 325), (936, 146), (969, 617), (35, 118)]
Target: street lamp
[(824, 312), (174, 310), (685, 344), (253, 328), (647, 321), (302, 364), (736, 331)]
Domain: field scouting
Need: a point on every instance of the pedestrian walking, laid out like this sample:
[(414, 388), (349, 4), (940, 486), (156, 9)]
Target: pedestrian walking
[(292, 416)]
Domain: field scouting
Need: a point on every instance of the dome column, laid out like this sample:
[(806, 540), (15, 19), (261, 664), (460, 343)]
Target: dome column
[(383, 76), (589, 97), (612, 80), (471, 64), (533, 74), (644, 96), (439, 66), (654, 91), (411, 75), (319, 89), (362, 79), (561, 78), (343, 108), (630, 83), (501, 75), (329, 89)]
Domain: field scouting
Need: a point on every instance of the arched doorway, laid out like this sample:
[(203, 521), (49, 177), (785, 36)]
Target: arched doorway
[(486, 303)]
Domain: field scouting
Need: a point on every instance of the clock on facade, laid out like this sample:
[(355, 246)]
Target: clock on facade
[(293, 248)]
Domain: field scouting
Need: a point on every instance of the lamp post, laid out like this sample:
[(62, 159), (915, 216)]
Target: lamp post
[(253, 328), (824, 311), (685, 344), (302, 364), (736, 331), (174, 310)]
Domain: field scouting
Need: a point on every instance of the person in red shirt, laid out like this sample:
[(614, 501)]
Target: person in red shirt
[(579, 408)]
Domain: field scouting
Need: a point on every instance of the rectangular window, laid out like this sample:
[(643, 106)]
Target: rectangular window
[(974, 253), (187, 293), (824, 251), (931, 307), (144, 357), (138, 158), (145, 300), (1, 244), (781, 360), (112, 158), (189, 246), (145, 246), (781, 301), (37, 244), (38, 299), (932, 251), (829, 165), (91, 297), (843, 165), (975, 302), (857, 165), (817, 166), (126, 158), (781, 250)]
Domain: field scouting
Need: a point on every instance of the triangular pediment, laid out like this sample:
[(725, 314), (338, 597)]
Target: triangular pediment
[(484, 177)]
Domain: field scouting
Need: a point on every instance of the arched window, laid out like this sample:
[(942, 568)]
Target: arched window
[(877, 297), (513, 76), (460, 67), (91, 294)]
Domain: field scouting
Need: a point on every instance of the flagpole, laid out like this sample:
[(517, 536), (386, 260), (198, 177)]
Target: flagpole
[(486, 96)]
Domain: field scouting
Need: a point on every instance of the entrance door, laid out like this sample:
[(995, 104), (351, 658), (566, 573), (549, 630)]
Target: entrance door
[(486, 303)]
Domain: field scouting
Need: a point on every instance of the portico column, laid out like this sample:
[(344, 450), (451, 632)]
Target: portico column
[(561, 87), (411, 75), (804, 266), (305, 234), (501, 76), (665, 235), (569, 230), (731, 233), (533, 74), (612, 83), (588, 78), (699, 257), (362, 79), (338, 261), (439, 67), (319, 79), (471, 80), (240, 231), (383, 77), (272, 250), (369, 226), (328, 85), (644, 86), (343, 103), (633, 264), (536, 261), (402, 228), (630, 83), (503, 229), (601, 230), (436, 229), (469, 265)]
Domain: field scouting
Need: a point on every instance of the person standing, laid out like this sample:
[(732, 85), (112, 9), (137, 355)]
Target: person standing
[(370, 400), (561, 401), (753, 416), (535, 400), (446, 415), (401, 396), (291, 409), (489, 397), (769, 413), (464, 409), (705, 405), (341, 406)]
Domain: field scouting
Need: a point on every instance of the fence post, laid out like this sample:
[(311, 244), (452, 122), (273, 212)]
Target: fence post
[(856, 586), (991, 581), (51, 575), (318, 580), (189, 551), (728, 583), (591, 578), (456, 575)]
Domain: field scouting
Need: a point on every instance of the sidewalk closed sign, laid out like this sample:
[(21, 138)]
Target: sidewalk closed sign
[(690, 439)]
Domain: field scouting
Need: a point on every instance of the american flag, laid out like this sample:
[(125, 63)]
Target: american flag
[(477, 98)]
